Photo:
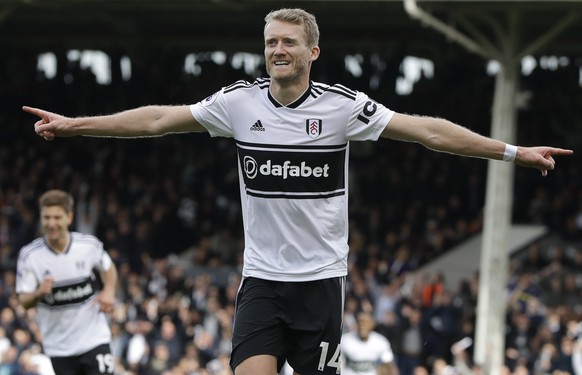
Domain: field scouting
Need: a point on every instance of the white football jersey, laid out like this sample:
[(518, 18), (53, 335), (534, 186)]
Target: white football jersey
[(69, 319), (363, 357), (293, 171)]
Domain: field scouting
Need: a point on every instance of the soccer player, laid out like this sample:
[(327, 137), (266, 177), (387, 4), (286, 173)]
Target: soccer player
[(292, 137), (366, 352), (55, 274)]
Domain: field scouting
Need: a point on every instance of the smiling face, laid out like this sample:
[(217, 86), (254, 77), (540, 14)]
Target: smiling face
[(55, 223), (288, 56)]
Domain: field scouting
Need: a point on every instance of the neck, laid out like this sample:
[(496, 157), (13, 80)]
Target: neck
[(60, 244), (287, 94), (364, 337)]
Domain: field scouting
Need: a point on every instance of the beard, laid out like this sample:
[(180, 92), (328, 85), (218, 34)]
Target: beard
[(290, 78)]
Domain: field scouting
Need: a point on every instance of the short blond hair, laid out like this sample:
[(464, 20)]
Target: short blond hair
[(57, 197), (300, 17)]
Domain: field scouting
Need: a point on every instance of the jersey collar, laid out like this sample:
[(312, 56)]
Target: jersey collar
[(67, 248), (294, 104)]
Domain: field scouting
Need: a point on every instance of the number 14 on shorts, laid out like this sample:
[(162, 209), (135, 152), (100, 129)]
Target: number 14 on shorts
[(334, 360)]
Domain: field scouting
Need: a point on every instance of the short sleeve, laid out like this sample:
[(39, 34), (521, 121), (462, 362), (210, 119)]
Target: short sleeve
[(26, 281), (369, 118), (212, 114), (387, 353), (105, 262)]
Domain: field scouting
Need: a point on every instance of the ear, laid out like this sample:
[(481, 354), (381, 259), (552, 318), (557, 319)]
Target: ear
[(314, 53), (70, 217)]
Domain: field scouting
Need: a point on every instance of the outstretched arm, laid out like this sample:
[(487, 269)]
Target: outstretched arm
[(149, 121), (445, 136)]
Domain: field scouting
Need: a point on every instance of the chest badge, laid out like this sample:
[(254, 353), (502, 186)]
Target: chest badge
[(313, 127)]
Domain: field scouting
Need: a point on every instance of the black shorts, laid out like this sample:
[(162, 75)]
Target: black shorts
[(300, 322), (96, 361)]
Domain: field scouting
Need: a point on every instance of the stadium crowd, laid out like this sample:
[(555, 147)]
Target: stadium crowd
[(168, 213)]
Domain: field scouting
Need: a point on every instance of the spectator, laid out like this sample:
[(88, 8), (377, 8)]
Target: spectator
[(388, 300), (160, 360), (517, 339), (127, 183), (442, 322), (172, 340), (412, 339), (9, 361)]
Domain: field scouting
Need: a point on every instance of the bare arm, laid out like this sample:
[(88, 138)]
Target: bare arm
[(445, 136), (29, 300), (106, 298), (389, 368), (146, 121)]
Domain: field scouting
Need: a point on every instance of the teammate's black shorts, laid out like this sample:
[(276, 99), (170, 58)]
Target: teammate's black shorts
[(300, 322), (96, 361)]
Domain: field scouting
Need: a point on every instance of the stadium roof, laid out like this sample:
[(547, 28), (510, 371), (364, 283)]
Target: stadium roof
[(236, 25)]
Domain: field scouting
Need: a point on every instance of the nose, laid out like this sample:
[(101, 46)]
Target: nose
[(51, 222), (279, 50)]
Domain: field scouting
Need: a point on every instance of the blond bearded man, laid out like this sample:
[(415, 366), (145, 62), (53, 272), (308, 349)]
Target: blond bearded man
[(292, 137)]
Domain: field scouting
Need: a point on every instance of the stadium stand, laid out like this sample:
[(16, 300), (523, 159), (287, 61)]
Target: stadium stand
[(168, 212)]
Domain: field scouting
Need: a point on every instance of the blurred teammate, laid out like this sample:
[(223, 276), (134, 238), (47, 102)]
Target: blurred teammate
[(292, 137), (366, 352), (55, 275)]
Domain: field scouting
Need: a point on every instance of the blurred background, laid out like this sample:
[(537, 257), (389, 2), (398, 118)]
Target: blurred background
[(168, 211)]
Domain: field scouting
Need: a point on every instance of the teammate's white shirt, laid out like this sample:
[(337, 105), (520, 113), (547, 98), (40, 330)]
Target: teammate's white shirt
[(363, 357), (69, 318), (293, 170)]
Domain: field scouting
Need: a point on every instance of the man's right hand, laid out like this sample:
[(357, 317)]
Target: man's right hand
[(45, 287)]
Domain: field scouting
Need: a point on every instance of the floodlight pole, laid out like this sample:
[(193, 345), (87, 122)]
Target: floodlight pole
[(489, 350), (490, 338)]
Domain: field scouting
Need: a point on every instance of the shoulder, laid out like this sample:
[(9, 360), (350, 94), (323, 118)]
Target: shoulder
[(319, 88), (379, 338), (244, 86), (31, 248), (348, 336), (84, 238)]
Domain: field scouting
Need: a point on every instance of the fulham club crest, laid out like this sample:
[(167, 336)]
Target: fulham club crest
[(313, 127)]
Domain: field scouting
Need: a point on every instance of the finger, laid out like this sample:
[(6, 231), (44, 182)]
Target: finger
[(35, 111), (37, 125), (38, 112), (561, 151), (40, 128)]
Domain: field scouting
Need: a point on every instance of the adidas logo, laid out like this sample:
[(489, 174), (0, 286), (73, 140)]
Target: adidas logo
[(257, 126)]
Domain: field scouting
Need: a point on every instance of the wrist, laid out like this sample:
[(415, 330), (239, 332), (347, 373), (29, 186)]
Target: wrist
[(75, 126), (38, 294), (510, 153)]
